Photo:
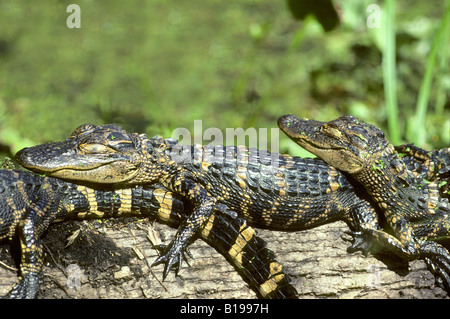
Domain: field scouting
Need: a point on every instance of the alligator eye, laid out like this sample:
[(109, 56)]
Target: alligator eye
[(95, 148), (332, 131)]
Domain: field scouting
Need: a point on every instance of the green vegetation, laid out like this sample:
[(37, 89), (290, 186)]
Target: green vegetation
[(153, 66), (439, 50)]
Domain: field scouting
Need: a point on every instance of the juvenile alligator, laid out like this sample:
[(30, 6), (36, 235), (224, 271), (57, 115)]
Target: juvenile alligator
[(272, 191), (412, 205), (30, 203)]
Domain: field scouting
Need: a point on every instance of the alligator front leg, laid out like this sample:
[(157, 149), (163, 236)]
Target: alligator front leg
[(204, 207), (31, 260), (173, 255), (364, 223), (404, 245), (366, 229)]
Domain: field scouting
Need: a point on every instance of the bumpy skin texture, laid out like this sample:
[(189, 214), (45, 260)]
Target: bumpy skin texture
[(30, 203), (278, 192), (433, 166), (412, 205)]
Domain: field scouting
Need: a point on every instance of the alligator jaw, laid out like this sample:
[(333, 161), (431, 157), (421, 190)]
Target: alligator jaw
[(104, 174), (68, 164)]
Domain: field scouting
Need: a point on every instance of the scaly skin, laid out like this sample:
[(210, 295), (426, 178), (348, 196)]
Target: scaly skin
[(412, 206), (277, 192), (433, 166), (30, 203)]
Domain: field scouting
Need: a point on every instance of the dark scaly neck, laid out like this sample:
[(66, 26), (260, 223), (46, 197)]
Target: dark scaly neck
[(387, 180)]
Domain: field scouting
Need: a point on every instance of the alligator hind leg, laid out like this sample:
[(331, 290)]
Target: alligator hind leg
[(31, 261)]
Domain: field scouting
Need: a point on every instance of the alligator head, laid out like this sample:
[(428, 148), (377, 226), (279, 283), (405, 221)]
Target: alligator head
[(99, 154), (346, 143)]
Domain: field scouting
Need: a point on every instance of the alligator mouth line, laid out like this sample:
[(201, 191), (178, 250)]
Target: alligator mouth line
[(74, 168), (311, 143), (105, 173)]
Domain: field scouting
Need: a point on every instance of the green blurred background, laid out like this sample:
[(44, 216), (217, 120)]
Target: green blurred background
[(153, 66)]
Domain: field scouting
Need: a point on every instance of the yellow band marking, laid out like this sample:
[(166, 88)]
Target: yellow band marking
[(125, 199), (245, 235), (205, 231), (275, 277), (93, 208), (164, 199)]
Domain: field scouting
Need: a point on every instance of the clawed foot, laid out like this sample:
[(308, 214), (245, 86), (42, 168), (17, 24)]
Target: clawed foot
[(441, 270), (438, 261), (360, 242), (171, 256)]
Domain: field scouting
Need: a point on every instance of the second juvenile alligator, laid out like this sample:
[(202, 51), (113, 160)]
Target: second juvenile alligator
[(414, 207)]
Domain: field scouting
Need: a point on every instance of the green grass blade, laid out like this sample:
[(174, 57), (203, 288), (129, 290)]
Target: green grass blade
[(389, 72), (425, 87), (444, 63)]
